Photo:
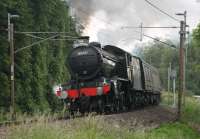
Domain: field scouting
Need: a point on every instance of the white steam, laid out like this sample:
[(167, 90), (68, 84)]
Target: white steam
[(103, 19)]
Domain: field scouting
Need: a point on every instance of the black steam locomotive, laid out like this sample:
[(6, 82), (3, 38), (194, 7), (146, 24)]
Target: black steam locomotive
[(108, 79)]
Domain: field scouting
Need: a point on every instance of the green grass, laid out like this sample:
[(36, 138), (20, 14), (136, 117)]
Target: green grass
[(191, 111), (4, 116), (95, 128), (168, 98), (174, 131)]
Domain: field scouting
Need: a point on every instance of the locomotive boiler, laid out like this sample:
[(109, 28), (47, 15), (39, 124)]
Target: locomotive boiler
[(108, 79), (89, 62)]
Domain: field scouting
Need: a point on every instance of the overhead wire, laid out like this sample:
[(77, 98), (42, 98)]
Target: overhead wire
[(156, 39), (156, 7)]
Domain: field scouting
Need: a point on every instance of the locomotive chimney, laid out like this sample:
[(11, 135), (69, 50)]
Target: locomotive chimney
[(81, 41)]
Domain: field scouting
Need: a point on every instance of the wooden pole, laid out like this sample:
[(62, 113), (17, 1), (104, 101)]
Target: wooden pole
[(181, 70)]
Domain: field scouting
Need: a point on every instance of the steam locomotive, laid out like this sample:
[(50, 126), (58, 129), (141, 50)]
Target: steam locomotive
[(108, 79)]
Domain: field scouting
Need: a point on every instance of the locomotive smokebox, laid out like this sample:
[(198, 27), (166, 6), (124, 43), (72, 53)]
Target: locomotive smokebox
[(84, 62)]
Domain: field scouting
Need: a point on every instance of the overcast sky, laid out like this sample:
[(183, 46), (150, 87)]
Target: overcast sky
[(103, 19)]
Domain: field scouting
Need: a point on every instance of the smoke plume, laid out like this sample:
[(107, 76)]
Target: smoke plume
[(103, 20)]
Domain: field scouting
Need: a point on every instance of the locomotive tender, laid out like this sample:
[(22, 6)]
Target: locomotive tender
[(108, 79)]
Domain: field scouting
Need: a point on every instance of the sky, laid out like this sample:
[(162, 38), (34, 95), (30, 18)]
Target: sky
[(104, 21)]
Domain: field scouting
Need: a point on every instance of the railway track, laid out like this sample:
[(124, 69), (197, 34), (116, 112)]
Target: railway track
[(8, 123), (150, 117), (19, 122)]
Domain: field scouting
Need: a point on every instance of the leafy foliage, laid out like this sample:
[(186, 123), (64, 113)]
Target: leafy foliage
[(193, 64), (160, 56), (38, 67)]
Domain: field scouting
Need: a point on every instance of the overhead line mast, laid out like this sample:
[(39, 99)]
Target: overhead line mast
[(182, 63)]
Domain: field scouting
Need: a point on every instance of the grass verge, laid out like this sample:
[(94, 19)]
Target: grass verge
[(95, 128), (191, 112)]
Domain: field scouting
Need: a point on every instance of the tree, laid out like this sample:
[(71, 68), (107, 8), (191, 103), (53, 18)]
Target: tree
[(193, 65), (37, 67), (159, 56)]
